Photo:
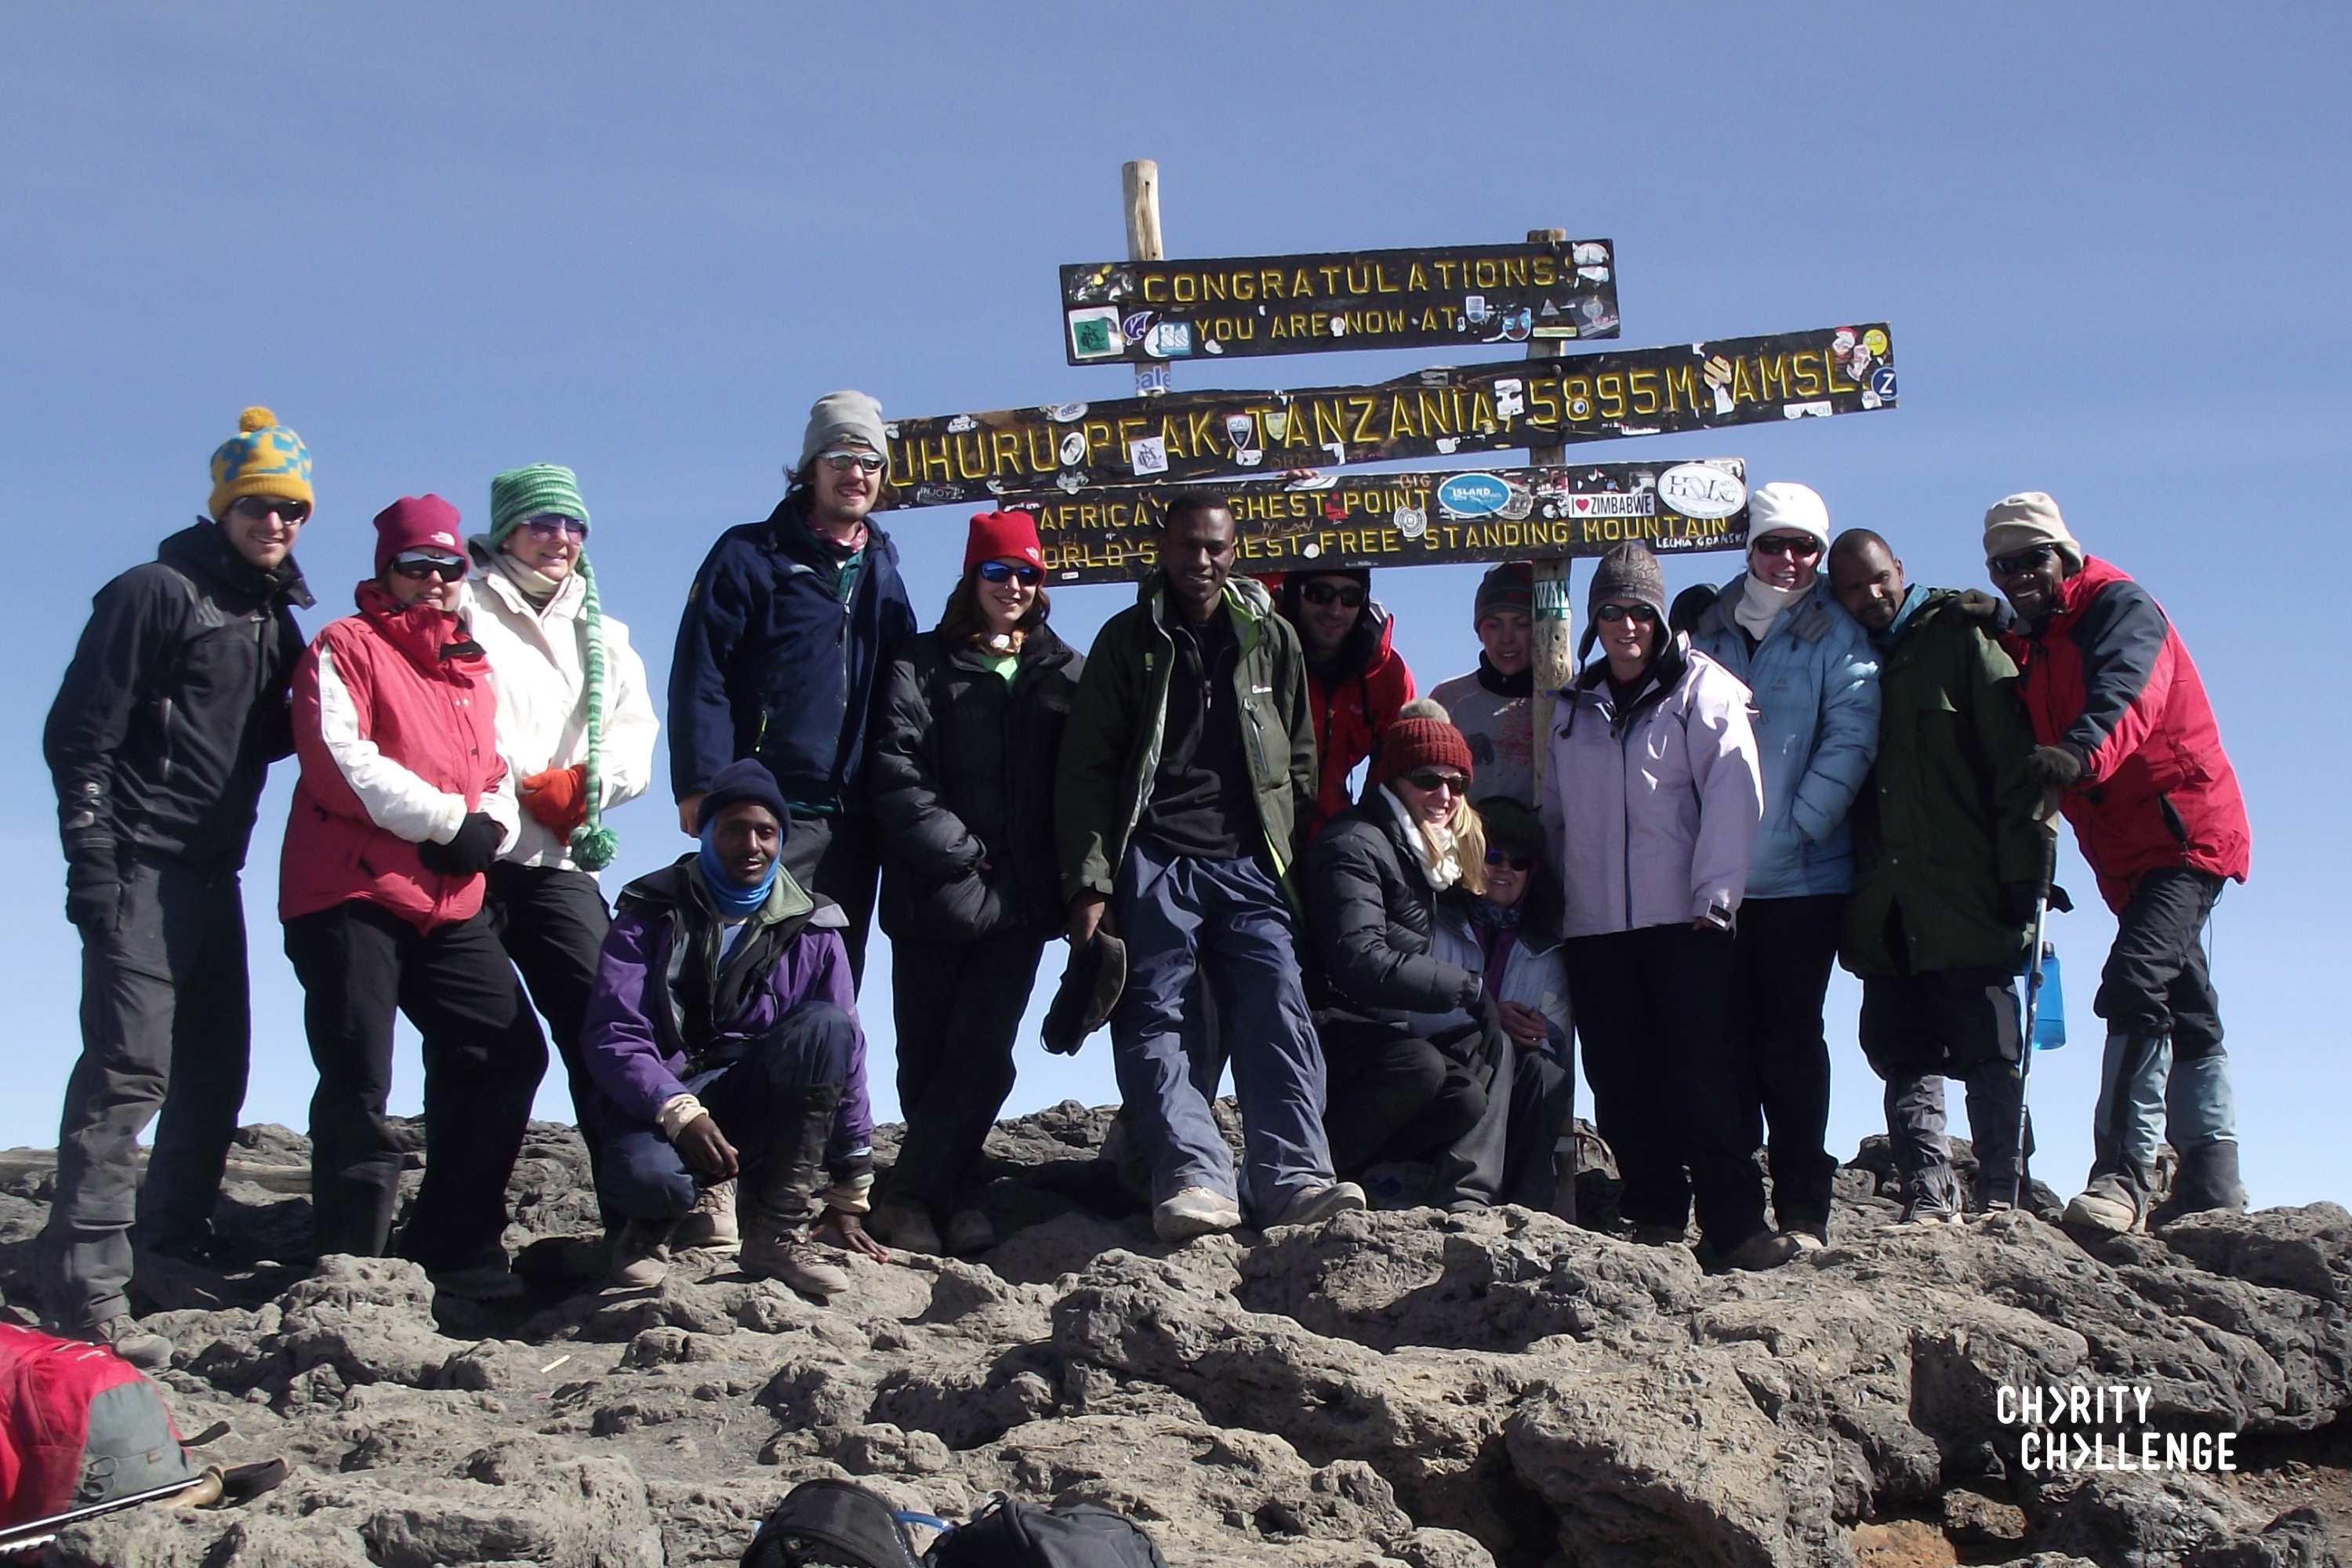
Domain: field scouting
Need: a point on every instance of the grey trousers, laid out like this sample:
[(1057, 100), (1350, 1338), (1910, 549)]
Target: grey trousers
[(1225, 920), (166, 1022)]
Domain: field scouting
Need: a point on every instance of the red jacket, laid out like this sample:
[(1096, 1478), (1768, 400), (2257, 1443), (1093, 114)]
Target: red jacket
[(1352, 714), (397, 728), (2108, 677)]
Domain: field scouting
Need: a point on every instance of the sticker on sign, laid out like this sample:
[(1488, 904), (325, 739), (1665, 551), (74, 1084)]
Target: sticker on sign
[(1702, 489), (1472, 495)]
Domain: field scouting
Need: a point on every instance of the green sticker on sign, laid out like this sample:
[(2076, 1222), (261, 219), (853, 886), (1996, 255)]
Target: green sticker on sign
[(1552, 598)]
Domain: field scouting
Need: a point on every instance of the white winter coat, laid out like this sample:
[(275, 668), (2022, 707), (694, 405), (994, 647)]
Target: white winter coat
[(539, 670), (1652, 818), (1534, 977)]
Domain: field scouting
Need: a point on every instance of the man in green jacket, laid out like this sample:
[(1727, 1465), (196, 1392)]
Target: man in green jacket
[(1186, 776), (1949, 866)]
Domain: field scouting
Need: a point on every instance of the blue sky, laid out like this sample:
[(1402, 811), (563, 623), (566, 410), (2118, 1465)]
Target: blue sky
[(441, 240)]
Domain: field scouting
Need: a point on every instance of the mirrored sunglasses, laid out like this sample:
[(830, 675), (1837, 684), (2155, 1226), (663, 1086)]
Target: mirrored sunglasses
[(1020, 571), (416, 568), (840, 462), (549, 525)]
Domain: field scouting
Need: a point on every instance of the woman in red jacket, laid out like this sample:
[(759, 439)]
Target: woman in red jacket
[(402, 803), (1355, 680)]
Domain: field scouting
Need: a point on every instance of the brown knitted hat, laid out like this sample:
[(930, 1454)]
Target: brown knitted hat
[(1422, 737)]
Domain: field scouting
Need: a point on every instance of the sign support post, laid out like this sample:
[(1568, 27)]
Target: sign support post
[(1554, 648), (1139, 180)]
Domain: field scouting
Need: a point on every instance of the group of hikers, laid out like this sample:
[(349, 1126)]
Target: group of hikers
[(1819, 760)]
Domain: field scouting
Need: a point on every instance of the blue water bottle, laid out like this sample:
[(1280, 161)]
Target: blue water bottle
[(2050, 1009)]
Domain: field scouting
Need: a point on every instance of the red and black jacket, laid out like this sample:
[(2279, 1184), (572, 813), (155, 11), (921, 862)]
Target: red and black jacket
[(2108, 677)]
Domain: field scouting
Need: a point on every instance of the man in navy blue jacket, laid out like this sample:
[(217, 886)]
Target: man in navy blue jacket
[(787, 625)]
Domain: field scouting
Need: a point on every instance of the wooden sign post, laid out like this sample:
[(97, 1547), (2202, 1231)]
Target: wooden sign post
[(1139, 182)]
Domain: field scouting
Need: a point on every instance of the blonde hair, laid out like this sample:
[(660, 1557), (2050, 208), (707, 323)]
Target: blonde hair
[(1465, 831)]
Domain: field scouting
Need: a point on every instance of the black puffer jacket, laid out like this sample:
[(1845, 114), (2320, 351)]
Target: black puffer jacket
[(175, 704), (963, 771), (1368, 909)]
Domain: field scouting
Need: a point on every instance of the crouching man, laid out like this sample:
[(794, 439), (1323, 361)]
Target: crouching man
[(722, 1038)]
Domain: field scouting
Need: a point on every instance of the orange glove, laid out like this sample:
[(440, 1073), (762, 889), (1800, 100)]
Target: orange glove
[(558, 798)]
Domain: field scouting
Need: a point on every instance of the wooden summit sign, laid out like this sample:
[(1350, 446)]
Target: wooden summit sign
[(1111, 534), (1144, 311), (1189, 436)]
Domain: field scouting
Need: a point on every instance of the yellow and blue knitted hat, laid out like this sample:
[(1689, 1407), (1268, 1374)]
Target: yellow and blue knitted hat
[(263, 458)]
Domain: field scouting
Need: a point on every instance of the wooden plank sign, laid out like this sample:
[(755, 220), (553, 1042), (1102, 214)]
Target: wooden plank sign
[(1111, 534), (1185, 436), (1241, 307)]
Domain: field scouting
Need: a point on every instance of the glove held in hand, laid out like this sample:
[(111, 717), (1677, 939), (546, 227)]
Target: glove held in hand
[(470, 852)]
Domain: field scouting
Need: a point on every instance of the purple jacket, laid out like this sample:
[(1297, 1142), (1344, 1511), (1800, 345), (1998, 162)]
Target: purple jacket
[(637, 1040)]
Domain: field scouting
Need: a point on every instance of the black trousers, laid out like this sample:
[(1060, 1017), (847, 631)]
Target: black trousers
[(551, 921), (958, 1008), (1780, 973), (165, 1021), (2157, 982), (483, 1056), (1389, 1095), (841, 858), (1667, 1091)]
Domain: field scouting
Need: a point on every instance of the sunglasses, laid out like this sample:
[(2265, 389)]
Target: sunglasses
[(1641, 615), (418, 568), (1346, 593), (1431, 780), (1019, 572), (553, 525), (2020, 561), (258, 508), (1803, 547), (842, 462), (1516, 862)]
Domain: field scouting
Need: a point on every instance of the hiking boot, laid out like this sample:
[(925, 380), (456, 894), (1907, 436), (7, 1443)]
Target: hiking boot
[(641, 1254), (709, 1225), (969, 1231), (1807, 1236), (776, 1248), (1765, 1249), (2109, 1204), (487, 1278), (2207, 1179), (1930, 1208), (905, 1227), (121, 1334), (1315, 1204), (1197, 1211)]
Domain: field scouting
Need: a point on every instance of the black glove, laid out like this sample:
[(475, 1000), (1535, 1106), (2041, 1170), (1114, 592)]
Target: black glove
[(2053, 767), (1982, 608), (93, 889), (2019, 900), (470, 852), (2060, 902)]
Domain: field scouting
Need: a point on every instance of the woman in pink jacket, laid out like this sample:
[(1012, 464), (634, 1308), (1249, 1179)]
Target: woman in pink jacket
[(401, 804), (1652, 803)]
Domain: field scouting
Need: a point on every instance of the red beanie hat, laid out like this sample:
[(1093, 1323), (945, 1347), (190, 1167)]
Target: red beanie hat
[(1421, 737), (417, 523), (1002, 536)]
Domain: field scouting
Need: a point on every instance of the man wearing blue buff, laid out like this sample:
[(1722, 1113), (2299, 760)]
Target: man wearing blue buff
[(723, 1040)]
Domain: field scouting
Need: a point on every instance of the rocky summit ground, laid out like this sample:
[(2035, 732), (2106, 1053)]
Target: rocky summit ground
[(1382, 1390)]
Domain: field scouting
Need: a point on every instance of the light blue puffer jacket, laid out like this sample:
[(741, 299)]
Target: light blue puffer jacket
[(1814, 681)]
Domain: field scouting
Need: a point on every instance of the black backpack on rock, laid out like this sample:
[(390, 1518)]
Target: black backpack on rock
[(842, 1525), (1010, 1534)]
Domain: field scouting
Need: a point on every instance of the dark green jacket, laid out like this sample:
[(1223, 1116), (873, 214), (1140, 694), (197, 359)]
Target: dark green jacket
[(1111, 750), (1947, 814)]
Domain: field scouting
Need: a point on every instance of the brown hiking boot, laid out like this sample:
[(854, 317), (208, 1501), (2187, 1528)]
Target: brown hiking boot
[(776, 1248), (709, 1225), (641, 1254)]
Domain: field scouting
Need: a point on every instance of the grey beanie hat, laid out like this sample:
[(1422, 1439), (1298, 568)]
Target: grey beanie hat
[(842, 416), (1628, 572)]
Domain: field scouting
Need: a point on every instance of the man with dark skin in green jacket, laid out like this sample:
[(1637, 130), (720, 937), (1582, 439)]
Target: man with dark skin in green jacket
[(1948, 866)]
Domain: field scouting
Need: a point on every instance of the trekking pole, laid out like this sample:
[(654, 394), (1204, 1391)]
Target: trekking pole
[(35, 1533), (2033, 1007)]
